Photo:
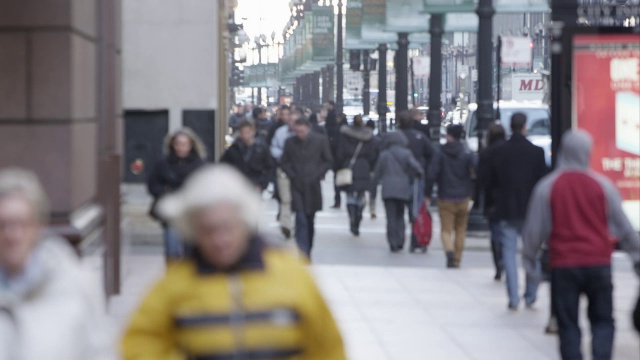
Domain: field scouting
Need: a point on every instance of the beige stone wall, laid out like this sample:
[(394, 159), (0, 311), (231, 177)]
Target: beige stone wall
[(48, 95)]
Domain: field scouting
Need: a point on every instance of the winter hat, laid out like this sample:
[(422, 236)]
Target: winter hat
[(211, 186)]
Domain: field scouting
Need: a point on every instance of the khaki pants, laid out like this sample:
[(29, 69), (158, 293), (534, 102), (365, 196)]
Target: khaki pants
[(454, 217), (284, 191)]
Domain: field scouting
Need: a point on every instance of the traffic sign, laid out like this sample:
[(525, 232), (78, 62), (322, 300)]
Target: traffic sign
[(516, 51)]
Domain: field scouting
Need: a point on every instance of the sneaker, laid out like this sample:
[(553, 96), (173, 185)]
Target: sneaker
[(513, 308), (286, 232), (498, 276)]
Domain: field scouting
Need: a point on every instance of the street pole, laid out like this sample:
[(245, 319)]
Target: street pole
[(339, 63), (366, 81), (485, 111), (563, 13), (435, 81), (260, 64), (413, 86), (498, 75), (382, 87), (401, 65)]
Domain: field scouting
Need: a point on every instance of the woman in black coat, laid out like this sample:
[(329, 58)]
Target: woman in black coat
[(184, 154), (357, 152)]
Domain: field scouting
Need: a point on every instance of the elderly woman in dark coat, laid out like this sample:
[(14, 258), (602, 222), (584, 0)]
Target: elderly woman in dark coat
[(395, 169), (357, 152)]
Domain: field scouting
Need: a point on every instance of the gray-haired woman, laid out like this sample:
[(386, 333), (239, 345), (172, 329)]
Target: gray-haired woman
[(184, 154), (49, 307)]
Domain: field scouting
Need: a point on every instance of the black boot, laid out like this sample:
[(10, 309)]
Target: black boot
[(359, 211), (352, 210), (450, 259)]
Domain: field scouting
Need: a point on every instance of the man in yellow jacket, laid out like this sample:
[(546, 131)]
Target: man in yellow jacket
[(234, 297)]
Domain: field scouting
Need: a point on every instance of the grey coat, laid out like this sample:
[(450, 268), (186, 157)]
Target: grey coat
[(396, 167), (306, 162)]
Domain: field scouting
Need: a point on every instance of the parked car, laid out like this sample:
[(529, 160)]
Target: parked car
[(538, 124)]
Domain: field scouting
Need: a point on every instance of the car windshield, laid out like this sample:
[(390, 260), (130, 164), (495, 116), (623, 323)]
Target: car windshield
[(538, 122)]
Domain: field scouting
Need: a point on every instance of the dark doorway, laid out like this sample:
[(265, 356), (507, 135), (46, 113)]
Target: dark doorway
[(203, 122), (144, 136)]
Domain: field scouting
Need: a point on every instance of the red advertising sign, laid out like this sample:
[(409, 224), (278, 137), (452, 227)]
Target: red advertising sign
[(606, 103)]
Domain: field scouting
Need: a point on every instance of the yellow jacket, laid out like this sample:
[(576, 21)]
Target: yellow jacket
[(267, 308)]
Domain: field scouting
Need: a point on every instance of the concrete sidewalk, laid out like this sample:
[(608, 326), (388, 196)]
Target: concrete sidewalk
[(399, 306)]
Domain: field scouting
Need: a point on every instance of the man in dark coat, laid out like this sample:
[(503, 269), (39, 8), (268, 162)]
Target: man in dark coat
[(417, 116), (514, 169), (422, 150), (250, 157), (305, 160), (332, 128)]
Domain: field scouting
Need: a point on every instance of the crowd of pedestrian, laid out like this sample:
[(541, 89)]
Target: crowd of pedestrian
[(231, 293)]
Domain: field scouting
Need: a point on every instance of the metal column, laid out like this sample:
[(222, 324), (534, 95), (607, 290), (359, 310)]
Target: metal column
[(485, 111), (339, 62), (382, 87), (435, 81), (401, 65)]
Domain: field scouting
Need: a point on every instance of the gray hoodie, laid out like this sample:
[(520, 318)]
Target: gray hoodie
[(396, 167), (573, 158)]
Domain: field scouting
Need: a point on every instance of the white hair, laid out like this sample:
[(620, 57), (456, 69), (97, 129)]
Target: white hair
[(210, 186), (25, 183)]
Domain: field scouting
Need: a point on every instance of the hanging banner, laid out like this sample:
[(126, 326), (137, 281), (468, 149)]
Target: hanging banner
[(406, 16), (323, 34), (374, 22), (516, 51), (449, 6), (606, 103), (353, 25)]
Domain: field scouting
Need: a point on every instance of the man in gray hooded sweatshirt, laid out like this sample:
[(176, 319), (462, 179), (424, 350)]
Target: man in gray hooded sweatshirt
[(451, 169), (579, 214)]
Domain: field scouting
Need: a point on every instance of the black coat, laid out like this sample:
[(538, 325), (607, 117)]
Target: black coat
[(420, 146), (275, 125), (452, 168), (306, 162), (515, 168), (366, 159), (483, 179), (254, 161), (168, 175)]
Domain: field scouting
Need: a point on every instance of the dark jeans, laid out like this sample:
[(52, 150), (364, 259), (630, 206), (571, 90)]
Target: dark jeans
[(395, 222), (305, 231), (567, 285), (496, 246)]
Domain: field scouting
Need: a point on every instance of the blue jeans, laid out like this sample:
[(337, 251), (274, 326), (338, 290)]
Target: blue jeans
[(305, 231), (508, 236), (173, 247), (567, 285)]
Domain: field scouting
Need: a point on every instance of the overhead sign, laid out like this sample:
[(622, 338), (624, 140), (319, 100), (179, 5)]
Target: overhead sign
[(461, 22), (516, 51), (422, 66), (374, 22), (606, 103), (521, 6), (406, 16), (447, 6)]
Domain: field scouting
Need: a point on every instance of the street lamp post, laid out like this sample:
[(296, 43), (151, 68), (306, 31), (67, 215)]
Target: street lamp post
[(401, 65), (339, 62), (435, 81), (382, 87), (485, 111)]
